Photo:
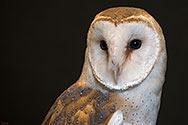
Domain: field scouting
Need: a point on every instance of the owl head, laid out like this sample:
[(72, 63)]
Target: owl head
[(123, 47)]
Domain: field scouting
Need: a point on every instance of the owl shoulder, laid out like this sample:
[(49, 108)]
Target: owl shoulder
[(80, 104)]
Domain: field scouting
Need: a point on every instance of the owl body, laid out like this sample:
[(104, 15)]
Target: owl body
[(122, 76)]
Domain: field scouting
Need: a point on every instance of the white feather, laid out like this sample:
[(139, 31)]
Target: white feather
[(116, 119)]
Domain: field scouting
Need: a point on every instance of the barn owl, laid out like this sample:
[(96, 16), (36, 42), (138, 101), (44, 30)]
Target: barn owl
[(123, 73)]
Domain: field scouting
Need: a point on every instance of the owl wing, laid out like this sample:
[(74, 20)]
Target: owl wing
[(81, 104)]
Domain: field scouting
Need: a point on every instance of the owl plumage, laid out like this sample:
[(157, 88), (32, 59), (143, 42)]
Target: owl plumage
[(122, 76)]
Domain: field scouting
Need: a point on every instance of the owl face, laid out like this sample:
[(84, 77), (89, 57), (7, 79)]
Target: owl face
[(122, 55)]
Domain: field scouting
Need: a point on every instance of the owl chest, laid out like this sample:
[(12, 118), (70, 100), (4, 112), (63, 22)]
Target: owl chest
[(95, 107), (139, 108)]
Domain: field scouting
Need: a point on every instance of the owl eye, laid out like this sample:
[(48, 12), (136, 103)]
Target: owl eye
[(135, 44), (103, 45)]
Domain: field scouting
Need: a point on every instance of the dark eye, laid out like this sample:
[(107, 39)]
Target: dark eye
[(103, 45), (135, 44)]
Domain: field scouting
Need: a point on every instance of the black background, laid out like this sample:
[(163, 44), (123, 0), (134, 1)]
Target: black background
[(42, 53)]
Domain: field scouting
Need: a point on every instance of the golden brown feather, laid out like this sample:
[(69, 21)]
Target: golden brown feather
[(82, 105)]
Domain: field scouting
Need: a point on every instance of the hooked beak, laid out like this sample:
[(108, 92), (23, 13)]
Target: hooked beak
[(116, 73), (116, 70)]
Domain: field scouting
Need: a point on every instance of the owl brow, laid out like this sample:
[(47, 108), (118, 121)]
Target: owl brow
[(129, 39)]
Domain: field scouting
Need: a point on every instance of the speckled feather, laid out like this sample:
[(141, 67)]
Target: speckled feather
[(83, 105), (122, 14), (127, 14)]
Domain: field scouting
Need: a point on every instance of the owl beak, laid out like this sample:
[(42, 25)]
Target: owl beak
[(115, 68), (116, 73)]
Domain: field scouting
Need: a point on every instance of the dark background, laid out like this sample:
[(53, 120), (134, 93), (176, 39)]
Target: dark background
[(42, 53)]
